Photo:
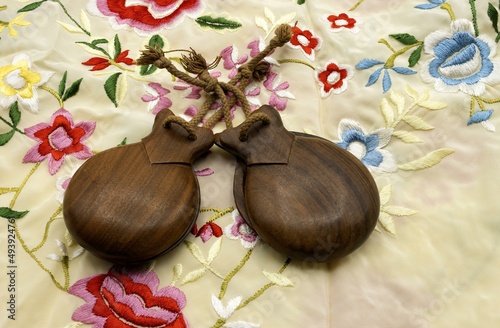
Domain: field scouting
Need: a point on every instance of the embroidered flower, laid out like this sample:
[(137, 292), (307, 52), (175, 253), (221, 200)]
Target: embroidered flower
[(242, 231), (19, 83), (462, 62), (121, 299), (279, 94), (155, 97), (58, 139), (342, 22), (10, 25), (145, 16), (386, 80), (231, 60), (257, 46), (483, 117), (208, 230), (431, 5), (367, 147), (100, 63), (333, 78), (305, 40), (192, 91), (64, 251)]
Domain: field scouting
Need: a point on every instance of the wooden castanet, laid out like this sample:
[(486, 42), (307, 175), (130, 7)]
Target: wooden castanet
[(133, 203), (305, 196)]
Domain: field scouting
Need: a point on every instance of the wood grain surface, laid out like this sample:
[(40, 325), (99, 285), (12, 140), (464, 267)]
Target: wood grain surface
[(132, 203), (320, 205)]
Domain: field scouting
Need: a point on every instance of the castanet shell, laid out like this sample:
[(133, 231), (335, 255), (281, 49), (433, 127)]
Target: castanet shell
[(314, 201), (133, 203)]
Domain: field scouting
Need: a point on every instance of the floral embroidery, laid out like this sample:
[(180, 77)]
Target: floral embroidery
[(367, 147), (19, 21), (242, 231), (208, 230), (65, 254), (19, 83), (333, 79), (342, 22), (231, 60), (155, 97), (257, 46), (59, 138), (100, 63), (431, 5), (461, 61), (122, 298), (306, 41), (279, 95), (386, 81), (148, 16), (61, 186)]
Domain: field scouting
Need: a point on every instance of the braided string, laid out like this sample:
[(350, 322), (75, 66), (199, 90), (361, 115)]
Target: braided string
[(251, 120)]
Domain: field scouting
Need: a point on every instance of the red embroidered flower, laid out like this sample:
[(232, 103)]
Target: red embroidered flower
[(146, 16), (208, 230), (342, 22), (124, 299), (305, 40), (334, 78), (59, 138), (100, 63)]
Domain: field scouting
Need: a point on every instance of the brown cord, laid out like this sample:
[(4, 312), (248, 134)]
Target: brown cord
[(167, 123), (252, 119)]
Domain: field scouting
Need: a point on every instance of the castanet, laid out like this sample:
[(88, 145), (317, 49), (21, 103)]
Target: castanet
[(133, 203), (305, 196)]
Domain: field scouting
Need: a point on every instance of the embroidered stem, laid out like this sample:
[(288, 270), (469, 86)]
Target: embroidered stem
[(11, 125), (356, 5), (219, 323), (23, 183), (403, 114), (390, 62), (218, 213), (72, 19), (474, 16), (112, 62), (489, 101), (386, 43), (296, 61), (54, 93), (472, 103), (7, 190), (230, 275), (46, 232), (446, 6)]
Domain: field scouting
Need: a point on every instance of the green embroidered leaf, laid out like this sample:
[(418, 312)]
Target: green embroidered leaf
[(217, 23), (99, 41), (95, 47), (415, 56), (15, 114), (406, 137), (118, 46), (72, 90), (429, 160), (5, 137), (301, 2), (387, 112), (387, 222), (493, 15), (404, 38), (123, 143), (62, 84), (31, 6), (417, 123), (279, 279), (156, 41), (147, 69), (399, 210), (9, 213), (111, 86)]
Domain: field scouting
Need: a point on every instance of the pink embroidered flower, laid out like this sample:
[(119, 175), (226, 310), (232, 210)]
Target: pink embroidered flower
[(145, 16), (204, 172), (242, 231), (208, 230), (59, 138), (192, 91), (257, 46), (155, 97), (305, 40), (61, 185), (123, 299), (100, 63), (334, 78), (342, 22), (231, 60), (279, 95)]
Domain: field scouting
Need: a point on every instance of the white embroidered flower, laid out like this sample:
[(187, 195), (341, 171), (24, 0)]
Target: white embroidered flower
[(19, 83), (367, 146), (242, 231), (225, 311), (64, 250), (461, 62)]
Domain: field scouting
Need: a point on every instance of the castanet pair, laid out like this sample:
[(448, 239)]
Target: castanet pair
[(304, 196)]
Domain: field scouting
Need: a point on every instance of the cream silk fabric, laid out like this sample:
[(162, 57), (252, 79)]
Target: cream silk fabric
[(394, 82)]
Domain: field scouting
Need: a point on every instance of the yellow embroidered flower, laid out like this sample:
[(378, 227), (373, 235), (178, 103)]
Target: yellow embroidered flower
[(10, 25), (19, 83)]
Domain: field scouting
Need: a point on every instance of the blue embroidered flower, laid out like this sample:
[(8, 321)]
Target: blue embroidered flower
[(367, 147), (386, 80), (431, 5), (461, 61)]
